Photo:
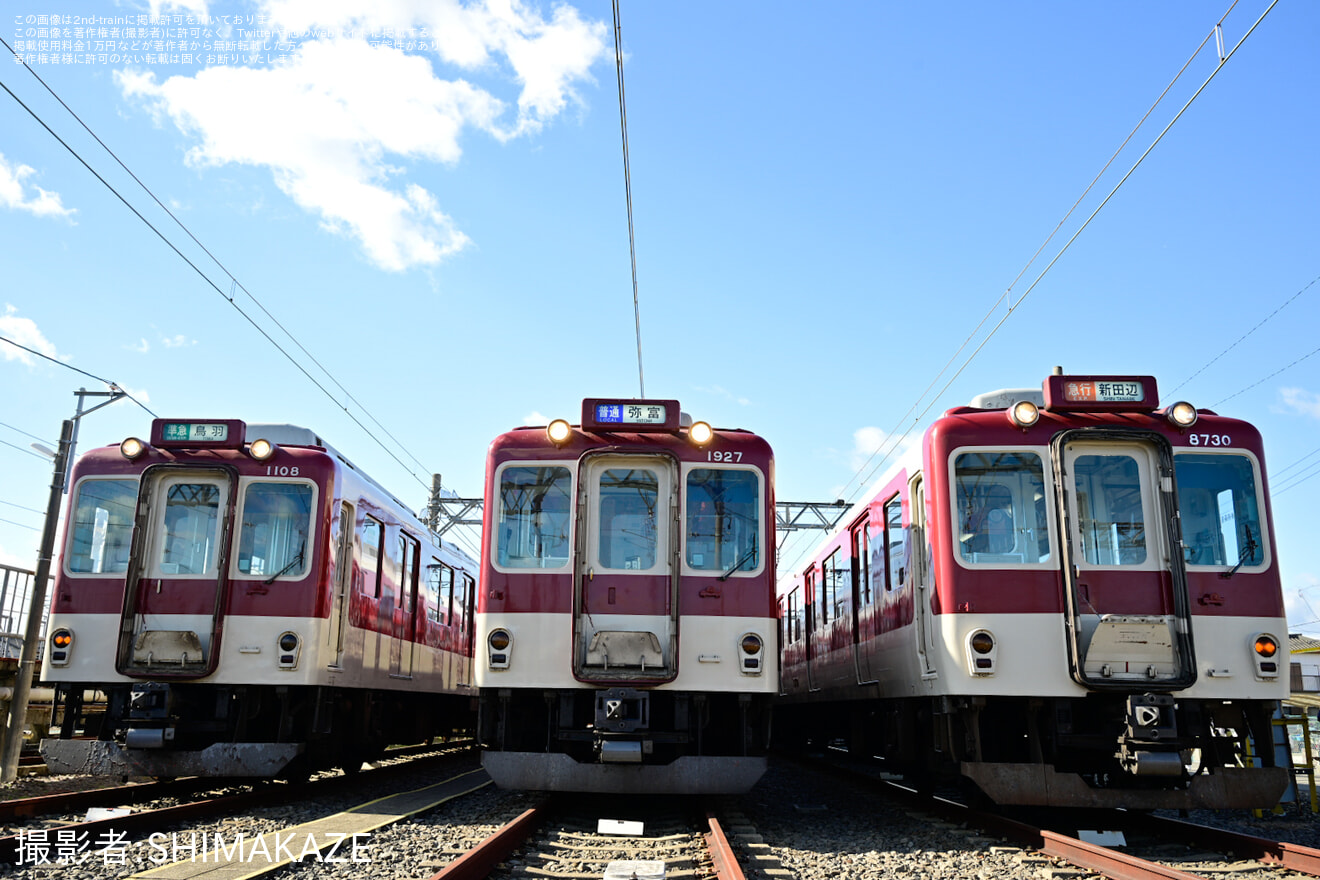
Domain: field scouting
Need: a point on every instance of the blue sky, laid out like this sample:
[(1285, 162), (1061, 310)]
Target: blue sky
[(827, 201)]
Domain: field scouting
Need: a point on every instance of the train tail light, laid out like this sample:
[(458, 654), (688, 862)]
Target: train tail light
[(61, 642), (1265, 649), (749, 653), (499, 641), (262, 449), (1182, 414), (290, 646), (559, 432), (132, 448), (1024, 414), (982, 652), (700, 433)]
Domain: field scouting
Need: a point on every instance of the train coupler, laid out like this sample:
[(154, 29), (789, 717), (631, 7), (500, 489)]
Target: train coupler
[(1149, 745)]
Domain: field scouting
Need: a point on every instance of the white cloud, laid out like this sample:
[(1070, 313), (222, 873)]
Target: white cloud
[(43, 204), (1302, 604), (14, 560), (177, 341), (535, 418), (722, 392), (142, 347), (871, 445), (329, 119), (138, 394), (190, 7), (1301, 401), (25, 332)]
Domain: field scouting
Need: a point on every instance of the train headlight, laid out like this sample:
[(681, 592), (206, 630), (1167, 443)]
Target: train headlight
[(700, 433), (60, 642), (749, 654), (1181, 415), (499, 641), (290, 647), (558, 431), (1024, 414), (982, 653), (262, 449), (132, 448), (1265, 648)]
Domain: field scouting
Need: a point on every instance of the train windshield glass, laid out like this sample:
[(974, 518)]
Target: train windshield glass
[(102, 526), (534, 517), (1110, 516), (1002, 514), (627, 536), (192, 511), (1220, 509), (276, 520), (723, 519)]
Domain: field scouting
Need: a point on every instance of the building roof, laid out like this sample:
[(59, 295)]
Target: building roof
[(1299, 644)]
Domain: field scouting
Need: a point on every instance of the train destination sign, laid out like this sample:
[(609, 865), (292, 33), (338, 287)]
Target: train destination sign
[(186, 432), (634, 415), (1101, 393)]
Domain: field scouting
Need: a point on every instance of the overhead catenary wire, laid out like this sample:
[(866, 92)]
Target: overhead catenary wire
[(889, 448), (627, 189), (26, 434), (114, 385), (206, 278)]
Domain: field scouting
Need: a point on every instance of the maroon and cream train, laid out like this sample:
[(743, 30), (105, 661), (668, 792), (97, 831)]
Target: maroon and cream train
[(1070, 597), (249, 604), (626, 618)]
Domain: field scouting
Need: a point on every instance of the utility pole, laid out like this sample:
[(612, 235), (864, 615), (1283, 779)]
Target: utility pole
[(27, 663)]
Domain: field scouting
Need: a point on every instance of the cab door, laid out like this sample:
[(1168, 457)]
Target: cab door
[(1125, 582), (625, 621)]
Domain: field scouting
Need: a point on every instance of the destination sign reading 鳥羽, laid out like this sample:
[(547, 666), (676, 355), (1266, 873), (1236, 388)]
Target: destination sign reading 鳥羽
[(195, 432)]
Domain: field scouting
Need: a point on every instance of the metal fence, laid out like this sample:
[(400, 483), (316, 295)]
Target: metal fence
[(15, 596)]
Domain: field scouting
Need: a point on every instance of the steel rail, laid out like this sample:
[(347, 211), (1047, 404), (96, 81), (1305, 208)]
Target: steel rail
[(721, 854), (479, 861), (1293, 856)]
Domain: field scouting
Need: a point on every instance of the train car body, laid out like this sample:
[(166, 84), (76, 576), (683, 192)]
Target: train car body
[(1069, 596), (626, 616), (249, 603)]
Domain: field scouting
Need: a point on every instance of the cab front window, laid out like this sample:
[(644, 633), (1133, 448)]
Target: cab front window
[(533, 518), (277, 518), (102, 526), (1001, 508), (1221, 514), (723, 520)]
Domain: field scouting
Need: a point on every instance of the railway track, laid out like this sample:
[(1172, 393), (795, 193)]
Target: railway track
[(572, 838)]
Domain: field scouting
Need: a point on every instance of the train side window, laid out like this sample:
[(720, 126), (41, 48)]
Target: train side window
[(102, 526), (1221, 509), (861, 558), (837, 594), (628, 536), (373, 533), (791, 622), (815, 607), (410, 549), (1001, 508), (462, 601), (895, 544), (440, 581), (190, 520), (535, 512), (723, 520), (275, 525)]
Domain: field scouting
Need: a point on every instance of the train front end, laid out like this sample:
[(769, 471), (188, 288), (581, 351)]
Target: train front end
[(626, 616), (189, 605), (1106, 626)]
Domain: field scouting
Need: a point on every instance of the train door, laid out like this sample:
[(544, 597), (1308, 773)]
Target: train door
[(1125, 582), (866, 605), (815, 626), (177, 581), (922, 578), (343, 577), (405, 615), (625, 621)]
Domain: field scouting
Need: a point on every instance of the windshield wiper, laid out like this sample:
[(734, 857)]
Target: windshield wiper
[(297, 560), (750, 554), (1248, 552)]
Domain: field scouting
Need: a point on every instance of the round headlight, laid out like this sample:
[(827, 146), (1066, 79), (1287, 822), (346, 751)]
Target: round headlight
[(61, 638), (499, 640), (261, 449), (1266, 646), (700, 433), (983, 642), (751, 644), (558, 431), (1182, 414), (1024, 414), (132, 448), (288, 641)]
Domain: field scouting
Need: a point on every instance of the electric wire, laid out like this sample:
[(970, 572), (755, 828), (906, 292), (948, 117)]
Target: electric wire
[(233, 279), (115, 386), (19, 524), (1212, 361), (1278, 473), (627, 189), (21, 507), (1006, 295), (1310, 354), (1013, 306), (1296, 480), (21, 449), (208, 280), (26, 434)]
